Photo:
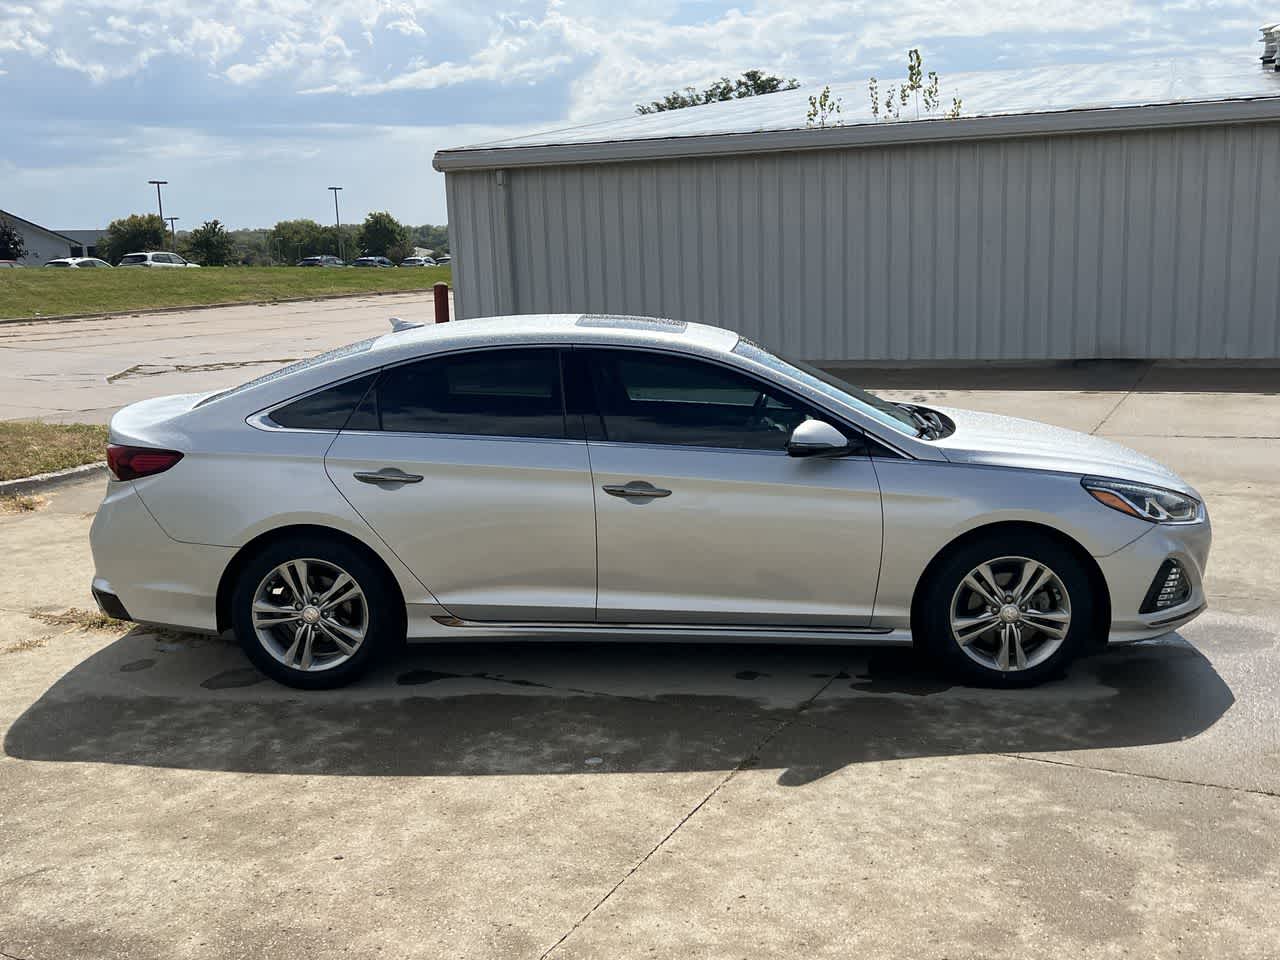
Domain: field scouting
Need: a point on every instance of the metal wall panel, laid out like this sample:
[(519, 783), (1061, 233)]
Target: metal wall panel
[(1140, 244)]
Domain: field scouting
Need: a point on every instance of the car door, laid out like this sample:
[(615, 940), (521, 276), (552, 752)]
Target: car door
[(702, 517), (464, 465)]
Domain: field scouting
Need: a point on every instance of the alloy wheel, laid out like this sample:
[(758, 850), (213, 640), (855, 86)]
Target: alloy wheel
[(310, 615), (1010, 614)]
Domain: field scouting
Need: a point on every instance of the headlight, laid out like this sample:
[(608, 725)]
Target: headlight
[(1146, 503)]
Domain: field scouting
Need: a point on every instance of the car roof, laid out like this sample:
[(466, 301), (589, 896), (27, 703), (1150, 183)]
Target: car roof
[(553, 328)]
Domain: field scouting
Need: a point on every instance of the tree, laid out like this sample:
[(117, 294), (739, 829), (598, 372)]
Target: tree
[(824, 108), (432, 237), (379, 233), (914, 87), (12, 245), (752, 83), (210, 244), (132, 234), (294, 239)]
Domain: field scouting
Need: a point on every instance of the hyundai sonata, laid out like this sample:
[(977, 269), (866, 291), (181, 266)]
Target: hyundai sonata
[(619, 478)]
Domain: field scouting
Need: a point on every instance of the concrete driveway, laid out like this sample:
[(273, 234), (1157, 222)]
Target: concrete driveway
[(82, 371), (159, 798)]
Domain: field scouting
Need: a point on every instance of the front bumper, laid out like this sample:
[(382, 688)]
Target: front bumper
[(140, 570), (1130, 571)]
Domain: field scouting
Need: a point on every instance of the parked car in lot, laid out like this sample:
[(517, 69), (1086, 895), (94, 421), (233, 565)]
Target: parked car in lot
[(371, 262), (327, 260), (417, 262), (78, 263), (154, 259), (628, 478), (443, 259)]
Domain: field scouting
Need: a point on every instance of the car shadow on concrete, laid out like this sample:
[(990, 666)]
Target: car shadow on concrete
[(537, 708)]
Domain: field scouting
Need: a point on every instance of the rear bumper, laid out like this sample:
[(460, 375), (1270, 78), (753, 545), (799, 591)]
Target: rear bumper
[(1129, 573), (141, 572)]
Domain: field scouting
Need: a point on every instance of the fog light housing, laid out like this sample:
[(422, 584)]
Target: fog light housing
[(1170, 588)]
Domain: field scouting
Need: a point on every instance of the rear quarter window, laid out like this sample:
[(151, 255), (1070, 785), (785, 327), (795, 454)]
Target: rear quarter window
[(327, 409)]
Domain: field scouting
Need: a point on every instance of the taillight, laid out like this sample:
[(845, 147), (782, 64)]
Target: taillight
[(131, 463)]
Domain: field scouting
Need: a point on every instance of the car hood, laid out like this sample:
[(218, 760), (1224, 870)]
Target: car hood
[(990, 438)]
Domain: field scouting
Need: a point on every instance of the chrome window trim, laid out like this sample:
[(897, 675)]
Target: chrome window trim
[(261, 419)]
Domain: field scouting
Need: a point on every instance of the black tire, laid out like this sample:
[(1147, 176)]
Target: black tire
[(932, 616), (382, 609)]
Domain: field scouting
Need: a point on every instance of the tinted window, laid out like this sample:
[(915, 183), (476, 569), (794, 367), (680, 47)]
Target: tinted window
[(494, 393), (134, 258), (327, 409), (656, 398)]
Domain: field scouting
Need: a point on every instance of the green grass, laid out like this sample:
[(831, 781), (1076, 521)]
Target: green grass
[(28, 448), (37, 292)]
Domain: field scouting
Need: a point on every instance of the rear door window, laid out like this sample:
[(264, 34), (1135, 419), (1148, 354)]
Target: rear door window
[(512, 392)]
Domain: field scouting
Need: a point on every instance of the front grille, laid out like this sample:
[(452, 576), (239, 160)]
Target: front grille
[(1170, 588)]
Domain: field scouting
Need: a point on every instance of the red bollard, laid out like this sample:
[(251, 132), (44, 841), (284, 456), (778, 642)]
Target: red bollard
[(441, 291)]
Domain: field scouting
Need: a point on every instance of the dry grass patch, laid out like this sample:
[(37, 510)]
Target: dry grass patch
[(81, 619), (30, 643), (22, 503), (29, 447)]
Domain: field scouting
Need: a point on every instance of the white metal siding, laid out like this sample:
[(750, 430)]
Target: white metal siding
[(1153, 243)]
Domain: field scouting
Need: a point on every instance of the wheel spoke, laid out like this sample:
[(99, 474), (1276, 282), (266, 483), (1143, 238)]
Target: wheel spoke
[(1029, 570), (351, 633), (1020, 655), (307, 642), (339, 641), (351, 592), (1002, 658), (296, 578), (972, 583), (291, 654), (1026, 594), (968, 629), (1051, 622), (339, 583)]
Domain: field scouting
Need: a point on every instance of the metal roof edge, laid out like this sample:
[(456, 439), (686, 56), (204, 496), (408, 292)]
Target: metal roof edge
[(32, 223), (1087, 120)]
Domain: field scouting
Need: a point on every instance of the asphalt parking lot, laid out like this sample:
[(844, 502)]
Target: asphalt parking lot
[(159, 798)]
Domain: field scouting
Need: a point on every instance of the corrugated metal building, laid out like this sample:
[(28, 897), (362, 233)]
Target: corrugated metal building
[(1117, 211)]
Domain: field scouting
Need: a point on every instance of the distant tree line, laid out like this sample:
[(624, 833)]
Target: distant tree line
[(752, 83), (213, 245)]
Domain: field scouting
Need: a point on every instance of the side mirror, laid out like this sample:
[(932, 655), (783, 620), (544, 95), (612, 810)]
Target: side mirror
[(813, 438)]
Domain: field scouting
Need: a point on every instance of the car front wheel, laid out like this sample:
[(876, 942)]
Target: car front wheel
[(313, 614), (1008, 611)]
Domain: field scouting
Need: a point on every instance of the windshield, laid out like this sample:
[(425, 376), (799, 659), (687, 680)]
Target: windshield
[(880, 410)]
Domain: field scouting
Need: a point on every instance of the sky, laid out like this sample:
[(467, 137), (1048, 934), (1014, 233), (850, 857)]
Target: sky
[(250, 109)]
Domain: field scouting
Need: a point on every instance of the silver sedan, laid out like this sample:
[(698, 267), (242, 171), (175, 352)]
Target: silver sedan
[(621, 478)]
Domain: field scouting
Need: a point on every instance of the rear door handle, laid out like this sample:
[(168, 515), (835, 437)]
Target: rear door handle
[(388, 477), (635, 490)]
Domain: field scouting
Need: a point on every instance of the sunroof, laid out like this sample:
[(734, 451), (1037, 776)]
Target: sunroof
[(632, 323)]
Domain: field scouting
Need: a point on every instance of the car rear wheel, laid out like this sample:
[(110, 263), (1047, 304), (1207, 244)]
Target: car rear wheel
[(313, 614), (1007, 610)]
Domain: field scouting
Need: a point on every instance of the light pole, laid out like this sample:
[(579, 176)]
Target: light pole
[(173, 231), (337, 222), (159, 202)]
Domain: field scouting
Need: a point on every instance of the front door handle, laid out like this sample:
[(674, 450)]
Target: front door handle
[(635, 490), (388, 477)]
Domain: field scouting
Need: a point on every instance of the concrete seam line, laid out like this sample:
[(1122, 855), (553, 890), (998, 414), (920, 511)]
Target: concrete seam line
[(745, 763), (48, 481), (1119, 403), (1140, 776)]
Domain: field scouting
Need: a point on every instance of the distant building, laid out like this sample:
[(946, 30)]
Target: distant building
[(84, 243), (44, 244)]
